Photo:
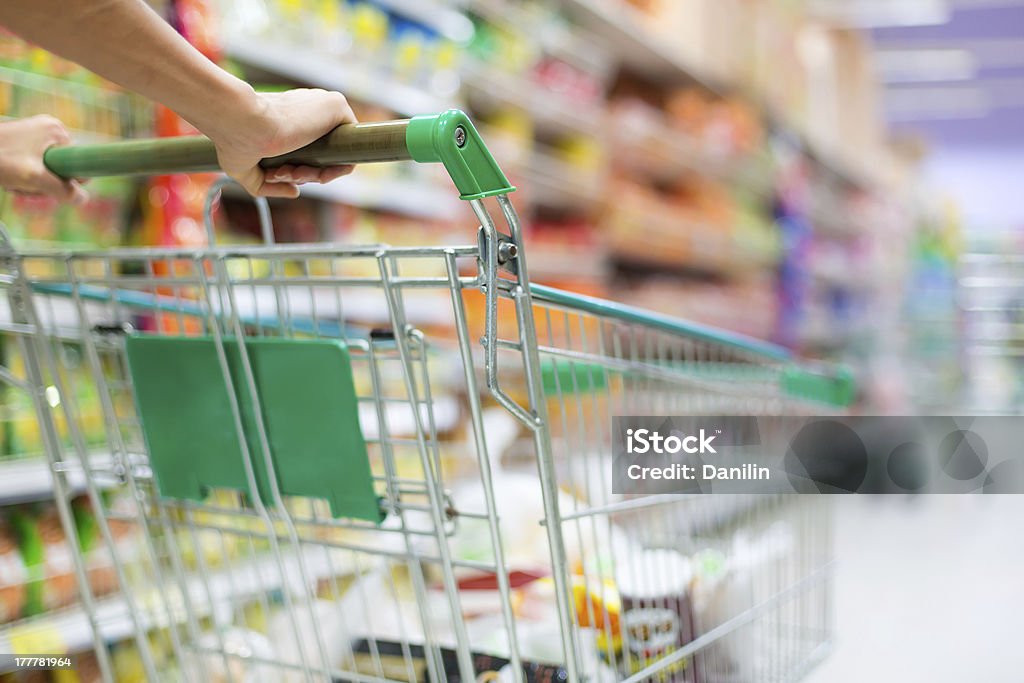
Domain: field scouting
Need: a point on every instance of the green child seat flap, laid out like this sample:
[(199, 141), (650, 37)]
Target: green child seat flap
[(306, 398)]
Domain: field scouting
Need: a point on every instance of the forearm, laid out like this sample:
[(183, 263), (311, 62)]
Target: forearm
[(126, 42)]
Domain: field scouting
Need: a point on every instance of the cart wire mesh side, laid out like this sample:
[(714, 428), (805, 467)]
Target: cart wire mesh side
[(319, 462)]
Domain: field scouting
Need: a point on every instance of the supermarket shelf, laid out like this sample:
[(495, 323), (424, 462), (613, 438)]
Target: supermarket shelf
[(435, 14), (557, 184), (978, 258), (58, 314), (857, 172), (655, 236), (844, 277), (71, 627), (308, 66), (306, 308), (825, 338), (101, 104), (550, 110), (622, 28), (29, 480), (554, 37), (828, 219), (418, 199), (656, 149), (556, 265), (663, 240), (667, 153), (80, 137), (102, 100)]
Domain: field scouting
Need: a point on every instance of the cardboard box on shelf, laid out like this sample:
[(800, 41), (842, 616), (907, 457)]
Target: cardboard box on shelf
[(703, 34), (680, 25), (810, 74), (820, 61), (727, 34), (779, 73), (748, 29), (842, 107), (861, 126)]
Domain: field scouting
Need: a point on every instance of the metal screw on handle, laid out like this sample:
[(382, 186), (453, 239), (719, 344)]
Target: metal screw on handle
[(460, 137)]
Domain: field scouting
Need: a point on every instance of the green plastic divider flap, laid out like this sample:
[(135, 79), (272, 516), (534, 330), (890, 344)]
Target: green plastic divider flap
[(307, 401), (452, 139)]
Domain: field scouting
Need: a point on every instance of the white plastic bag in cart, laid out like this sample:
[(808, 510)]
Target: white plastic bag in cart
[(734, 586)]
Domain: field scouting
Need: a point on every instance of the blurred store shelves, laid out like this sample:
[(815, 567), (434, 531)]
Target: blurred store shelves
[(650, 134), (437, 15), (71, 627), (416, 198), (488, 86), (623, 29), (556, 183), (28, 480), (628, 33), (356, 80)]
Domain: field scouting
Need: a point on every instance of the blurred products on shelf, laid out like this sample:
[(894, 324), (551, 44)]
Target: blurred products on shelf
[(659, 155), (37, 572)]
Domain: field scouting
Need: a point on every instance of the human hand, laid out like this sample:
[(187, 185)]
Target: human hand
[(276, 123), (22, 145)]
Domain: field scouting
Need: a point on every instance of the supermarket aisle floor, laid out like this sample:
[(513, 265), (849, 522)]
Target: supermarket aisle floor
[(928, 590)]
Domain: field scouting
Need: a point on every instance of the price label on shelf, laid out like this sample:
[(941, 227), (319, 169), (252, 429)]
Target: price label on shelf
[(35, 639)]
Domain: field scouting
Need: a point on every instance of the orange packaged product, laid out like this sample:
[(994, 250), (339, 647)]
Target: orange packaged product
[(12, 576), (48, 558)]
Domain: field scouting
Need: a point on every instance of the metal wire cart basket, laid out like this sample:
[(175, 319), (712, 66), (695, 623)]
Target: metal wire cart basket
[(286, 494)]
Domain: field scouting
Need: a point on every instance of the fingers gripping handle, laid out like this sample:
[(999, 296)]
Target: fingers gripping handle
[(449, 138)]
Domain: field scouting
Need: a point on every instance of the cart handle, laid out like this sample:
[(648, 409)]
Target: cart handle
[(448, 138)]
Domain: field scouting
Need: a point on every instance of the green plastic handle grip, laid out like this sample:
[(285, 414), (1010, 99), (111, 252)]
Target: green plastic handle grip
[(448, 138)]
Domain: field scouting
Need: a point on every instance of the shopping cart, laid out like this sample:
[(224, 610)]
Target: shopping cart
[(324, 462)]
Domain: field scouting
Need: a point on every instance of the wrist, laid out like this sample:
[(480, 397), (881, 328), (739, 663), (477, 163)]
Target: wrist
[(242, 120)]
